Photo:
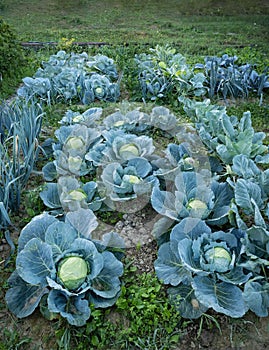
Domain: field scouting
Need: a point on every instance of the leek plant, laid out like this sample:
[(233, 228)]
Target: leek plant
[(20, 125)]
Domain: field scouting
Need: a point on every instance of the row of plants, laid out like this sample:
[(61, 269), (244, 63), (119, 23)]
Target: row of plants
[(209, 184), (163, 74)]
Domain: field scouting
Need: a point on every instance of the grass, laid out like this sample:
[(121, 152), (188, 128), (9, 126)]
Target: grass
[(195, 29)]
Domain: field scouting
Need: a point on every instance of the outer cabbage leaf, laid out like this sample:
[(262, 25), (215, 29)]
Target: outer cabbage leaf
[(256, 296), (50, 196), (256, 243), (84, 221), (168, 266), (164, 203), (49, 171), (23, 298), (190, 228), (99, 301), (34, 263), (222, 297), (74, 309), (185, 301), (107, 283), (36, 228), (59, 236)]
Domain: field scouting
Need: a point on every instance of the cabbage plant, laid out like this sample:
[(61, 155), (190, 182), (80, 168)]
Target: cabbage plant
[(129, 181), (69, 194), (59, 262), (205, 269), (118, 146), (67, 77), (133, 121), (193, 197)]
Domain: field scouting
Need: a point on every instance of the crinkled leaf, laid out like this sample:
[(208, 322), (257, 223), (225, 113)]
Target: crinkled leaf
[(245, 167), (262, 159), (246, 192)]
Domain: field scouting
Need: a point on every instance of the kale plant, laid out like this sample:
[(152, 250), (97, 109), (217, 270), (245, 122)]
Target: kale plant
[(227, 79), (164, 72)]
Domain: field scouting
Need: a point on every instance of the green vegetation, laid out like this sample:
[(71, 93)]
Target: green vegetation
[(142, 317), (196, 27)]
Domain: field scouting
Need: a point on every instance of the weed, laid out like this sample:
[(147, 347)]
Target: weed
[(13, 341), (141, 319)]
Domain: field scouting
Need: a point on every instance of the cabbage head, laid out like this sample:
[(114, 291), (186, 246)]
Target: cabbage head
[(57, 261)]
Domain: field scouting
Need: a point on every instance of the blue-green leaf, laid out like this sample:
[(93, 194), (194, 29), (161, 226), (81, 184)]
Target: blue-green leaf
[(107, 283), (83, 220), (256, 296), (75, 309), (246, 192), (168, 265), (222, 297), (60, 236), (185, 301), (164, 203), (50, 196), (23, 298), (36, 228), (35, 262), (189, 228)]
